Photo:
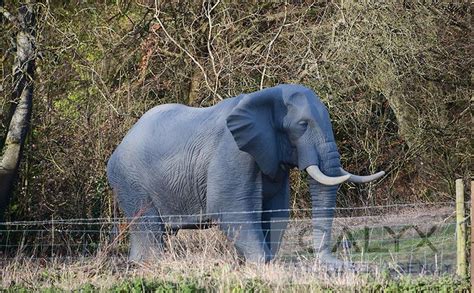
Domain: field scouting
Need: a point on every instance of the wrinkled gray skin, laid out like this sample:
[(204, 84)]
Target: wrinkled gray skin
[(226, 160)]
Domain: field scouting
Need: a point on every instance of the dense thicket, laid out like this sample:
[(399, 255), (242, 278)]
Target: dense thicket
[(396, 77)]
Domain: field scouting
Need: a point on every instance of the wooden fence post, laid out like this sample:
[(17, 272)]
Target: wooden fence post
[(460, 230)]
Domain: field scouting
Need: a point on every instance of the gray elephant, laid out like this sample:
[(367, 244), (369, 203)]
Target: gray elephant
[(182, 168)]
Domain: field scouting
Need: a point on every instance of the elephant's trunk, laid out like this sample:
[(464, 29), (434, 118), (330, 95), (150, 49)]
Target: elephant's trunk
[(324, 197), (323, 201), (324, 183)]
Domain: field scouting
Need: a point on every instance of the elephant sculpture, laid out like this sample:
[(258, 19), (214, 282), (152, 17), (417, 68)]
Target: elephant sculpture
[(182, 168)]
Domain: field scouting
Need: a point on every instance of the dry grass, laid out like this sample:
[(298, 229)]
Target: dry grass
[(207, 260), (188, 274), (220, 274), (204, 258)]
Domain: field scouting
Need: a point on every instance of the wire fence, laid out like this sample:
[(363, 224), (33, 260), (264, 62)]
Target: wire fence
[(408, 238)]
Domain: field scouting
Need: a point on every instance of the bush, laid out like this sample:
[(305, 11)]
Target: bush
[(395, 76)]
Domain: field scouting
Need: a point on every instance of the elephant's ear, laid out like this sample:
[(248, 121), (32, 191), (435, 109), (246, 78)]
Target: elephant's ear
[(252, 124)]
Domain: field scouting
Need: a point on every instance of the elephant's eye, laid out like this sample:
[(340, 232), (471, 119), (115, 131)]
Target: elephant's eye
[(303, 123)]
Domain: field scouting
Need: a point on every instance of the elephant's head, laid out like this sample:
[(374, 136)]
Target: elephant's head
[(289, 125)]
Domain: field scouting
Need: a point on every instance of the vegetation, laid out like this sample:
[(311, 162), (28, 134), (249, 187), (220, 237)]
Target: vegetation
[(93, 275), (422, 284), (396, 77), (205, 260)]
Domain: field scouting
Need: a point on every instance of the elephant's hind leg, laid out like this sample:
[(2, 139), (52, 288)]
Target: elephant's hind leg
[(145, 224), (146, 235)]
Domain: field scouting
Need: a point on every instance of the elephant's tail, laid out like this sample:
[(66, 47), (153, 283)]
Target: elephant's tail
[(114, 233), (113, 175)]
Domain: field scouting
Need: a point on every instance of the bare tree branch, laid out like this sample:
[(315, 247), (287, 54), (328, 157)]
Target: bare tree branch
[(262, 78), (206, 78), (10, 17), (209, 44)]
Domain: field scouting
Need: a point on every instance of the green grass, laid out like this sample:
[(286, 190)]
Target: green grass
[(404, 244), (420, 284)]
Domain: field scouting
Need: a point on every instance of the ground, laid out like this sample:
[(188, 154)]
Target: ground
[(402, 250)]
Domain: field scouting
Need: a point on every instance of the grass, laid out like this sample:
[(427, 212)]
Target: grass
[(402, 244), (420, 247), (201, 274), (205, 261)]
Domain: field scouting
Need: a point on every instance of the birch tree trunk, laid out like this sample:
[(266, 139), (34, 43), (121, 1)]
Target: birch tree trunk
[(21, 105)]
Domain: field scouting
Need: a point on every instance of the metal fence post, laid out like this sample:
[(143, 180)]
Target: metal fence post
[(460, 230)]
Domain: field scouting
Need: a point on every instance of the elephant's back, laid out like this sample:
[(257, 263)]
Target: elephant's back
[(168, 151), (173, 125)]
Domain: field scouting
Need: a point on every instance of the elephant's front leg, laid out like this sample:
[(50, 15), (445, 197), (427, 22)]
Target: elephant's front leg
[(234, 192), (276, 214), (324, 203)]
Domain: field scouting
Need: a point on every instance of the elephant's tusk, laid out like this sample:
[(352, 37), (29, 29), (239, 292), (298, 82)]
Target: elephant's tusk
[(319, 176), (363, 179)]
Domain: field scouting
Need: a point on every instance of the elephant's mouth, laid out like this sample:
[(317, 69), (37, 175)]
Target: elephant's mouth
[(322, 178)]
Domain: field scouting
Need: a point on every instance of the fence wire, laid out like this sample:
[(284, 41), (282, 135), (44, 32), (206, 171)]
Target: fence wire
[(411, 238)]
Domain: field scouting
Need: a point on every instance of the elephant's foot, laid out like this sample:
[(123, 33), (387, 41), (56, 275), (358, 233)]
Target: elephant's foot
[(258, 259), (249, 242), (257, 255), (144, 248), (145, 255), (329, 262)]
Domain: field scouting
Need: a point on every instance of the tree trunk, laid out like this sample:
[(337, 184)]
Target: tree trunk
[(21, 105)]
